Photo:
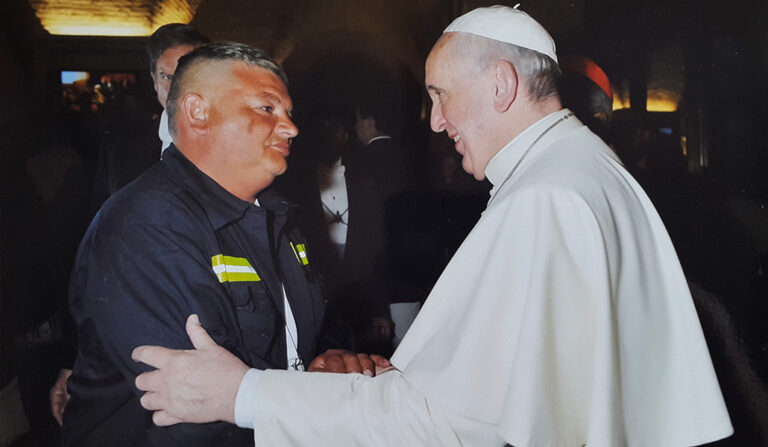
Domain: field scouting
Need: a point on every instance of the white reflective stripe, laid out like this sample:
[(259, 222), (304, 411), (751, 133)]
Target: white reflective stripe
[(233, 269)]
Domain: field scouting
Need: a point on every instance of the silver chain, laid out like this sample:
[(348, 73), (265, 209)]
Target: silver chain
[(525, 154)]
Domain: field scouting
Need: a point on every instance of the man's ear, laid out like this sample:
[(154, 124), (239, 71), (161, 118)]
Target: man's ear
[(506, 85), (194, 110)]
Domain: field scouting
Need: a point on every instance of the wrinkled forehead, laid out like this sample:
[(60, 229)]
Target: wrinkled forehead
[(442, 62), (252, 74), (442, 49), (260, 81)]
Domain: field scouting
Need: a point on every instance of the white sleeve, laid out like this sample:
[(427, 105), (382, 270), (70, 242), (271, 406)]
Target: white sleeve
[(243, 405), (300, 408)]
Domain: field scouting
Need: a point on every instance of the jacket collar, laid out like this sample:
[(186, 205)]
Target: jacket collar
[(219, 204)]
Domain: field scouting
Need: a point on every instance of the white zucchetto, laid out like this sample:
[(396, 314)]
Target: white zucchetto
[(508, 25)]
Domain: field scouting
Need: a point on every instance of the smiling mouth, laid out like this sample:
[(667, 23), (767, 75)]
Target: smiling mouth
[(456, 138), (283, 148)]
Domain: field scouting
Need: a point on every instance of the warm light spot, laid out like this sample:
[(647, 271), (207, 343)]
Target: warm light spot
[(620, 89), (658, 100), (661, 105), (654, 104), (665, 86), (103, 18), (620, 103), (666, 78), (98, 30)]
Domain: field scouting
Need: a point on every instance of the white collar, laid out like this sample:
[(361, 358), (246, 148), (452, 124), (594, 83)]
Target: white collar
[(380, 137), (163, 132), (501, 163)]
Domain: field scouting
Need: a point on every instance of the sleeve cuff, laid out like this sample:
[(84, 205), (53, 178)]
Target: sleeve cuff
[(245, 404)]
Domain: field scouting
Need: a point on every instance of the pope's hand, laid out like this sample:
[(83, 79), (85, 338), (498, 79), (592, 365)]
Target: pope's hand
[(339, 361), (196, 386)]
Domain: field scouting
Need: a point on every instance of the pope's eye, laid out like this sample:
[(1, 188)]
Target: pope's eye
[(267, 109)]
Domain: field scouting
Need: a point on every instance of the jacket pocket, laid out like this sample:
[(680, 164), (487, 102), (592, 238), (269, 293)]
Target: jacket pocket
[(257, 317)]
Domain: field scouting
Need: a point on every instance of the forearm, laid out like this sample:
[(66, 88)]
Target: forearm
[(292, 408)]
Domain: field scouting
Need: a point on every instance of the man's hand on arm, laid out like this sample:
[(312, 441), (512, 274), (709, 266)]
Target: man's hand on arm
[(201, 385), (195, 386), (340, 361)]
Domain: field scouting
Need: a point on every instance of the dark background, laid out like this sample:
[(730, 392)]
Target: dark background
[(703, 164)]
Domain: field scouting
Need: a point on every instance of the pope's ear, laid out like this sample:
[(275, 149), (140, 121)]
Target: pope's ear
[(194, 112), (506, 85)]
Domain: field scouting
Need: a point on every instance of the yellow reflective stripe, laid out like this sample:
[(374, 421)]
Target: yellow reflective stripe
[(295, 253), (302, 254), (300, 251), (232, 269), (238, 276)]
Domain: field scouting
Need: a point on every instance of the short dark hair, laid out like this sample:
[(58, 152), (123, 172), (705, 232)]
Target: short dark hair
[(172, 35), (218, 51)]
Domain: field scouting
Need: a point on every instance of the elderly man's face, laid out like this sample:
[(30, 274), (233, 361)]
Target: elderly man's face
[(166, 67), (459, 106), (250, 123)]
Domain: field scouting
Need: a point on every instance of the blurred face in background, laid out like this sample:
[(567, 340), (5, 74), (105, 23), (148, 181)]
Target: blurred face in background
[(166, 67)]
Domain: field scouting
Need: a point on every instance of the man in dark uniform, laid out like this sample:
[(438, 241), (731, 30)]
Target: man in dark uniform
[(131, 143), (200, 232)]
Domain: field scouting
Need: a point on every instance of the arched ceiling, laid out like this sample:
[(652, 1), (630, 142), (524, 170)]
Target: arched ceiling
[(111, 17)]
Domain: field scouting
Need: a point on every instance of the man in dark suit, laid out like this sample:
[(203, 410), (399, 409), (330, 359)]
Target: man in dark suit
[(376, 170), (136, 134)]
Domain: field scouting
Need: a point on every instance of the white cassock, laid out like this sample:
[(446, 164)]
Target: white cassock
[(563, 319)]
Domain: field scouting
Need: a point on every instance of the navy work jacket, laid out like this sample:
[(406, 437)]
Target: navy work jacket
[(170, 244)]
